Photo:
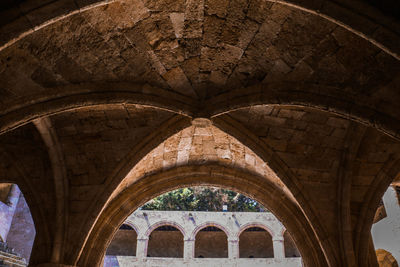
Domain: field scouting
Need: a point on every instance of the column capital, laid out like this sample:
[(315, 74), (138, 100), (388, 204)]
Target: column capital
[(278, 238)]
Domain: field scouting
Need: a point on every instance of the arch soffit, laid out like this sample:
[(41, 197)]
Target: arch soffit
[(211, 175), (210, 223), (340, 105), (258, 225), (20, 114), (283, 172), (213, 108), (165, 223), (166, 130), (28, 21), (132, 225), (180, 186), (26, 187)]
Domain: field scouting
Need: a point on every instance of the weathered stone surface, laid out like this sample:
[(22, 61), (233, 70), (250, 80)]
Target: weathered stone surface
[(212, 59)]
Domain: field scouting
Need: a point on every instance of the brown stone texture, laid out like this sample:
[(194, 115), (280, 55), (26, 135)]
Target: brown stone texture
[(123, 243), (165, 244), (4, 191), (290, 247), (294, 103), (211, 244), (385, 259), (255, 244)]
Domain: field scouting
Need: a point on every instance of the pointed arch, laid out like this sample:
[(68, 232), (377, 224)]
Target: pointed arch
[(239, 180)]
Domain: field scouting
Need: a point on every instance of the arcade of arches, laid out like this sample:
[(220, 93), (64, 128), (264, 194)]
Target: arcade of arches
[(107, 104), (202, 238)]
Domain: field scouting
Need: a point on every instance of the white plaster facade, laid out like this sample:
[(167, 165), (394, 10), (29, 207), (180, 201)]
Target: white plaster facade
[(7, 211), (386, 232), (190, 223)]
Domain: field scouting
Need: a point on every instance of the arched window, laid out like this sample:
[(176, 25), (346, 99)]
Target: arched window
[(255, 242), (165, 241), (123, 243), (291, 250), (211, 242)]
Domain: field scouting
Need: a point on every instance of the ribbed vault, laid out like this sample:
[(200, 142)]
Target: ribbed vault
[(200, 58), (301, 97)]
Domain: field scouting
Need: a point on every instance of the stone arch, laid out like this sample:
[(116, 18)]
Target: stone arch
[(164, 223), (362, 239), (131, 225), (166, 243), (289, 179), (78, 97), (257, 244), (206, 224), (209, 174), (168, 128), (28, 165), (211, 241), (290, 247), (265, 94), (28, 21), (259, 225), (385, 259)]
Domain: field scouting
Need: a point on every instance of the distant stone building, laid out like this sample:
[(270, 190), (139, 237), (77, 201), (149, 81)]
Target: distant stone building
[(386, 231), (187, 238)]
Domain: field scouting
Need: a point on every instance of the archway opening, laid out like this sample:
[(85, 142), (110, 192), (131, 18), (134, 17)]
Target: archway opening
[(205, 156), (204, 224), (17, 230), (165, 241), (256, 242), (211, 242), (123, 243), (291, 250)]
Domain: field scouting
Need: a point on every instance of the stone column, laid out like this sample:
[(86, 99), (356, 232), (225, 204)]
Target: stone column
[(188, 249), (233, 248), (141, 248), (391, 203), (7, 211), (279, 247)]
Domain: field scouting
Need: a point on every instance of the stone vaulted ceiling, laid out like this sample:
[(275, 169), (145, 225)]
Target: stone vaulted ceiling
[(106, 104)]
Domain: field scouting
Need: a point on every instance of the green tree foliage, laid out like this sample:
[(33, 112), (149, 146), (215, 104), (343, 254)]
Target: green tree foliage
[(203, 199)]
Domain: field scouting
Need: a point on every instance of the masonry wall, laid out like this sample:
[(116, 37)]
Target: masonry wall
[(123, 243), (4, 190), (256, 245), (291, 250), (166, 244), (211, 244)]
